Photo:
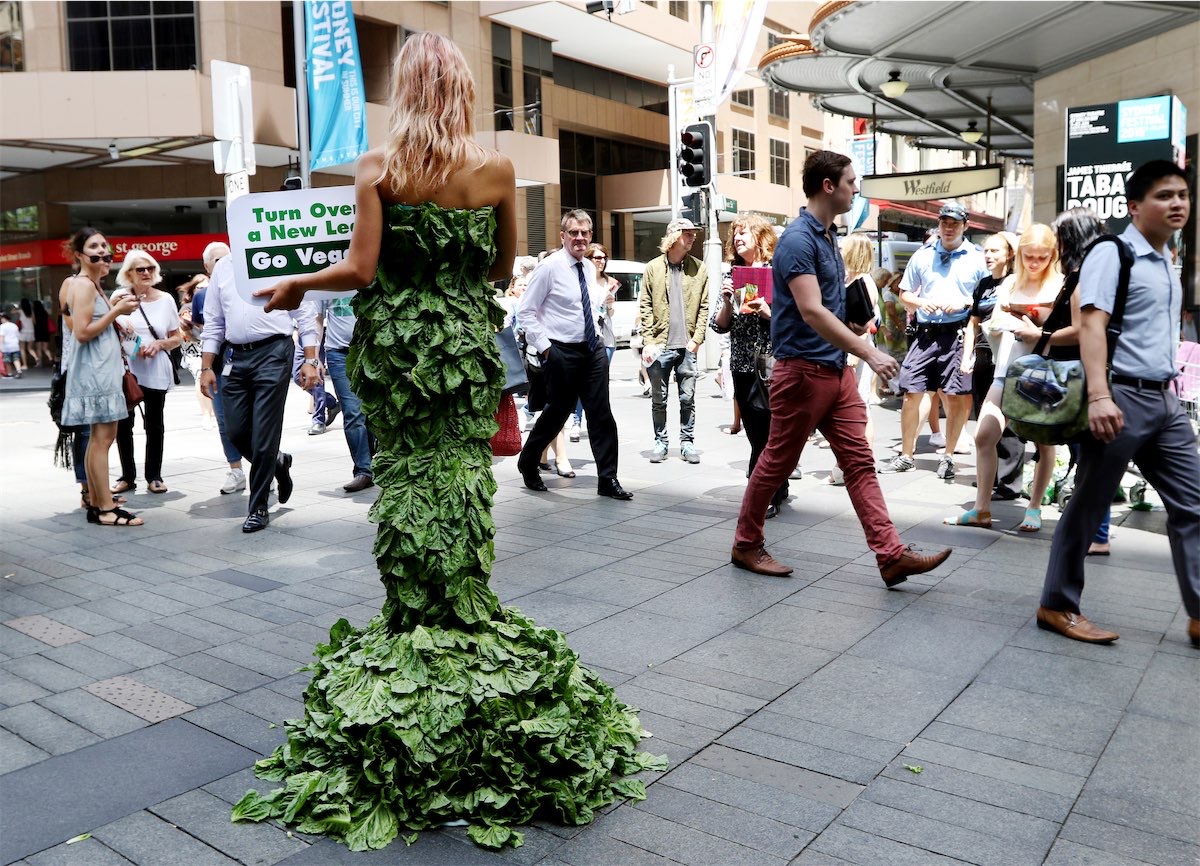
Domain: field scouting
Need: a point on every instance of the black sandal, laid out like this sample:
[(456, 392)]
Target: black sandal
[(84, 502), (93, 514), (121, 517)]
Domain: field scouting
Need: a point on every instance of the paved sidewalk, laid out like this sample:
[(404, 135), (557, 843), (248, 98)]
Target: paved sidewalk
[(818, 719)]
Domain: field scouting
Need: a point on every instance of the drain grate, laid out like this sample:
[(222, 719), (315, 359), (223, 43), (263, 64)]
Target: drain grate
[(138, 698), (48, 631)]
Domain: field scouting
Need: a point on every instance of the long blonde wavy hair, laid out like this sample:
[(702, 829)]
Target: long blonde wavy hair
[(431, 121)]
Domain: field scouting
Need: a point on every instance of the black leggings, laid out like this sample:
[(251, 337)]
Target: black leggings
[(155, 429), (756, 423)]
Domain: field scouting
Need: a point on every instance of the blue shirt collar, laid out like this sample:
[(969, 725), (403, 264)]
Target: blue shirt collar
[(1141, 246), (814, 223)]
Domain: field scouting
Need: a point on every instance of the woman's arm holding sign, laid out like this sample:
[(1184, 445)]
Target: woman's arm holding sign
[(357, 269)]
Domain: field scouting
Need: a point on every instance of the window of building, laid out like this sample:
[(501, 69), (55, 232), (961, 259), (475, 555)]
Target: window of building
[(778, 103), (781, 162), (103, 36), (12, 38), (678, 8), (538, 63), (743, 154), (502, 76), (610, 85), (744, 98)]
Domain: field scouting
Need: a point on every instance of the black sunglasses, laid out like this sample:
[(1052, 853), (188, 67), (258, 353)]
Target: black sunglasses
[(105, 258), (145, 269)]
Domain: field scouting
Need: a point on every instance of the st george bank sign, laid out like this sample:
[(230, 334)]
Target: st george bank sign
[(166, 250)]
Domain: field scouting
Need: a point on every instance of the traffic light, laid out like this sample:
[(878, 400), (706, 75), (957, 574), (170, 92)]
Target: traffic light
[(695, 154), (691, 208)]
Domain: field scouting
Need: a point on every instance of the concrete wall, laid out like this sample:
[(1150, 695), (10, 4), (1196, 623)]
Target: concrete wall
[(1168, 63)]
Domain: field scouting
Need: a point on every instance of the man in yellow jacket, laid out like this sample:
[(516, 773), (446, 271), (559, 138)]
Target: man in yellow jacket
[(673, 315)]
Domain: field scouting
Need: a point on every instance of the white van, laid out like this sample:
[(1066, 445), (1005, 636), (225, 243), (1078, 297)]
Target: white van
[(629, 274)]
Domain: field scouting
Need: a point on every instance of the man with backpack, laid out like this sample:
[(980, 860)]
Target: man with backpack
[(1132, 412)]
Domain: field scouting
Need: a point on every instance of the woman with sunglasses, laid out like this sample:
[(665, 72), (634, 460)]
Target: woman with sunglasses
[(93, 363), (155, 332)]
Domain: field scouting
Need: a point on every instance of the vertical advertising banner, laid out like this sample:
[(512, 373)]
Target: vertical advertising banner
[(337, 104), (862, 156), (1107, 142)]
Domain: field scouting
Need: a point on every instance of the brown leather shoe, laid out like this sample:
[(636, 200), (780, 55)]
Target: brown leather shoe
[(910, 562), (1076, 626), (757, 559), (1194, 632)]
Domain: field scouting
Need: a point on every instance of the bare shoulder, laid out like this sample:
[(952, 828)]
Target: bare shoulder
[(370, 165)]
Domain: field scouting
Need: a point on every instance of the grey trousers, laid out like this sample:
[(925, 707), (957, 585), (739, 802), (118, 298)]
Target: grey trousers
[(1158, 437)]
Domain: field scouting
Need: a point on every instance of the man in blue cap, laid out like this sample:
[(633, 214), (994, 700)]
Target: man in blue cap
[(939, 283)]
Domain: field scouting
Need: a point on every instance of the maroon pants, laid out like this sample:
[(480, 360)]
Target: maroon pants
[(806, 396)]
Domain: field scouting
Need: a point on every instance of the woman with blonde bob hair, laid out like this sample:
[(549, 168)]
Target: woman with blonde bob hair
[(435, 223), (152, 332), (1024, 300)]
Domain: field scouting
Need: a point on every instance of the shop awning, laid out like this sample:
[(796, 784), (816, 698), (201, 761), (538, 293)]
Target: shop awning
[(929, 211)]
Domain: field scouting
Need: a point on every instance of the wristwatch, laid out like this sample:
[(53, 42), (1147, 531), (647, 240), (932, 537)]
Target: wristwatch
[(312, 362)]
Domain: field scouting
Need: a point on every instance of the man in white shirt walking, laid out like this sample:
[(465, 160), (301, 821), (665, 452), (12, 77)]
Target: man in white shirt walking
[(254, 380), (556, 314)]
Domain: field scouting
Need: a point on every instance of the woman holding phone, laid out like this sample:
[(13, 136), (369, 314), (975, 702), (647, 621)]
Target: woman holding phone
[(1023, 301)]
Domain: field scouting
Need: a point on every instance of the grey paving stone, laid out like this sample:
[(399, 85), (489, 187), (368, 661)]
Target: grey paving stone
[(138, 698), (762, 799), (48, 674), (45, 729), (13, 605), (47, 630), (1066, 853), (254, 659), (269, 704), (815, 628), (210, 633), (431, 849), (810, 857), (866, 849), (45, 594), (187, 595), (165, 639), (17, 690), (92, 713), (287, 605), (658, 680), (160, 605), (89, 852), (145, 838), (153, 763), (1049, 779), (299, 651), (800, 754), (594, 848), (1146, 779), (1081, 680), (1020, 751), (725, 596), (870, 697), (127, 649), (16, 752), (1049, 720), (726, 822), (88, 661), (229, 617), (237, 725), (88, 621), (1129, 842), (630, 641), (939, 836), (778, 774), (184, 686), (1027, 834), (15, 644), (122, 611), (704, 715), (722, 680), (567, 612), (206, 817), (1163, 693), (822, 735), (215, 670), (930, 642), (679, 842)]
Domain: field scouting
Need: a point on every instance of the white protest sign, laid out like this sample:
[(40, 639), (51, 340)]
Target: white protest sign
[(279, 234)]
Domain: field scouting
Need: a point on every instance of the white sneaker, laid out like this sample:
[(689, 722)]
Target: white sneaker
[(938, 439), (574, 433), (317, 428), (234, 481)]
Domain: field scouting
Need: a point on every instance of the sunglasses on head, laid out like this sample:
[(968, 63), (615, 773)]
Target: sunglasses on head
[(144, 269), (107, 257)]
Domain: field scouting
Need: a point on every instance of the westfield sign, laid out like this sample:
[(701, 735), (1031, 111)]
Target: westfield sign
[(925, 185)]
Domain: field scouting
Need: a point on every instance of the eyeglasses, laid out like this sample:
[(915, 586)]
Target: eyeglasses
[(578, 233), (145, 269), (105, 258), (598, 258)]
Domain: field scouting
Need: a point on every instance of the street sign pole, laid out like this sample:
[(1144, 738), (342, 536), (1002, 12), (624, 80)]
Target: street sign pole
[(705, 93)]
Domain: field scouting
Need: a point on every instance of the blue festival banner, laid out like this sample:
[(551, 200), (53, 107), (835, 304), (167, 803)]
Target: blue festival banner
[(337, 105)]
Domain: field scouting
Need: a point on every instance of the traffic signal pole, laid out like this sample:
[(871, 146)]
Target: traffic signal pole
[(712, 238)]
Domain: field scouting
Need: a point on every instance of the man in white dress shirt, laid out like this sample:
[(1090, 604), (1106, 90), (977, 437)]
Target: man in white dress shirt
[(257, 348), (556, 314)]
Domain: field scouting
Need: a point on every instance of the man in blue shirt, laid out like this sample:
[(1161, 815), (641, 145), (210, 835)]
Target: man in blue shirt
[(811, 386), (940, 283), (1132, 413)]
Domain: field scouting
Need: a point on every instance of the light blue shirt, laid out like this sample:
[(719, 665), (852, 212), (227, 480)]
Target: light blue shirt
[(934, 274), (339, 322), (1150, 332)]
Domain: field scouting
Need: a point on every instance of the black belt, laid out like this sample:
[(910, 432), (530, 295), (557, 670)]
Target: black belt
[(258, 344), (940, 327), (336, 349), (1144, 384)]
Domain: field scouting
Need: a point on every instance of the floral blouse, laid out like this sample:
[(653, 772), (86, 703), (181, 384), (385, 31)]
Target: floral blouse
[(749, 337)]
